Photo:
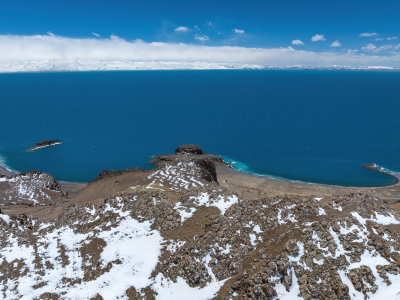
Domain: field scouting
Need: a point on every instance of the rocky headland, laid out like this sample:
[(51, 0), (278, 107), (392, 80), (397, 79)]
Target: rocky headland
[(375, 167), (195, 228)]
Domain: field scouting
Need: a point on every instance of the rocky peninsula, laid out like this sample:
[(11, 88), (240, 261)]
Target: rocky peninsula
[(195, 228)]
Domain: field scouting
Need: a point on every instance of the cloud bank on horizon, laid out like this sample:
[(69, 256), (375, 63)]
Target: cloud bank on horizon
[(25, 53)]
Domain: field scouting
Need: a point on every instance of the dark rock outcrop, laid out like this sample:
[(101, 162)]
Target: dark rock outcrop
[(207, 169), (189, 149)]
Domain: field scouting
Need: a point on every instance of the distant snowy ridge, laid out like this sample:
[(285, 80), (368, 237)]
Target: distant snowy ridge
[(35, 53), (114, 65), (132, 65)]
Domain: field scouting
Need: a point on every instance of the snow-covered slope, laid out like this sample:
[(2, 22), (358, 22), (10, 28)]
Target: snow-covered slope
[(185, 237)]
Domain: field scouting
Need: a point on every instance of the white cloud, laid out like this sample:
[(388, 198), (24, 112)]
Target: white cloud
[(297, 43), (115, 37), (385, 47), (96, 34), (56, 53), (397, 47), (352, 51), (182, 29), (239, 31), (374, 48), (201, 37), (318, 37), (368, 34), (392, 38), (369, 47), (336, 44), (379, 39)]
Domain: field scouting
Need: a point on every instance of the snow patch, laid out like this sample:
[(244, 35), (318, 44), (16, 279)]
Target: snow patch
[(175, 245), (222, 203), (180, 290), (257, 229), (379, 219), (5, 218), (131, 242), (185, 213)]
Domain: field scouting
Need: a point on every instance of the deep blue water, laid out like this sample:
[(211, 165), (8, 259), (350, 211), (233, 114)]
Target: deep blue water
[(315, 126)]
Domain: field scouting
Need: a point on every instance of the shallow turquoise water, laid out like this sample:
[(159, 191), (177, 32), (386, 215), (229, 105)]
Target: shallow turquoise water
[(314, 126)]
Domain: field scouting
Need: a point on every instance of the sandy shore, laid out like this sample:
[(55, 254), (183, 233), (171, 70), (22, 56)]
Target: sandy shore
[(247, 186), (253, 186)]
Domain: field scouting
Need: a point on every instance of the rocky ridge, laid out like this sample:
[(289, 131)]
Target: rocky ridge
[(177, 234)]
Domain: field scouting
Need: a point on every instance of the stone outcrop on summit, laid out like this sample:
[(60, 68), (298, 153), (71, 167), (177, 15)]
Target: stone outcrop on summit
[(175, 232), (194, 157), (189, 149)]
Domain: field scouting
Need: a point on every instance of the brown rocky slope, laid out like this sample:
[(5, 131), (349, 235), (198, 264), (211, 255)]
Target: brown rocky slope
[(176, 233)]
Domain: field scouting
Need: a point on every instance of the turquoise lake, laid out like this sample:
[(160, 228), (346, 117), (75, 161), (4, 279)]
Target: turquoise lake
[(313, 126)]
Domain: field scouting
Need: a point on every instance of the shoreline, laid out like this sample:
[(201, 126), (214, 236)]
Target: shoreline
[(394, 175), (243, 184), (257, 186), (5, 170), (272, 177)]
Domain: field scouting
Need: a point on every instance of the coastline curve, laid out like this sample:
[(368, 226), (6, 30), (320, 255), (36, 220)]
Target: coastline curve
[(244, 168)]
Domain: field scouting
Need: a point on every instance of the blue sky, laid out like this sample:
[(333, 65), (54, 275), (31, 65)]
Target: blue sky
[(335, 25), (266, 23)]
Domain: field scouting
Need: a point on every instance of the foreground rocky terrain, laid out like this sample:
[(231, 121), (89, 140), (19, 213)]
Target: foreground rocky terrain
[(179, 232)]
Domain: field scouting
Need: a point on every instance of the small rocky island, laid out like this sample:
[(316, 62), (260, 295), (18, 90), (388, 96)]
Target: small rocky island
[(43, 144)]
